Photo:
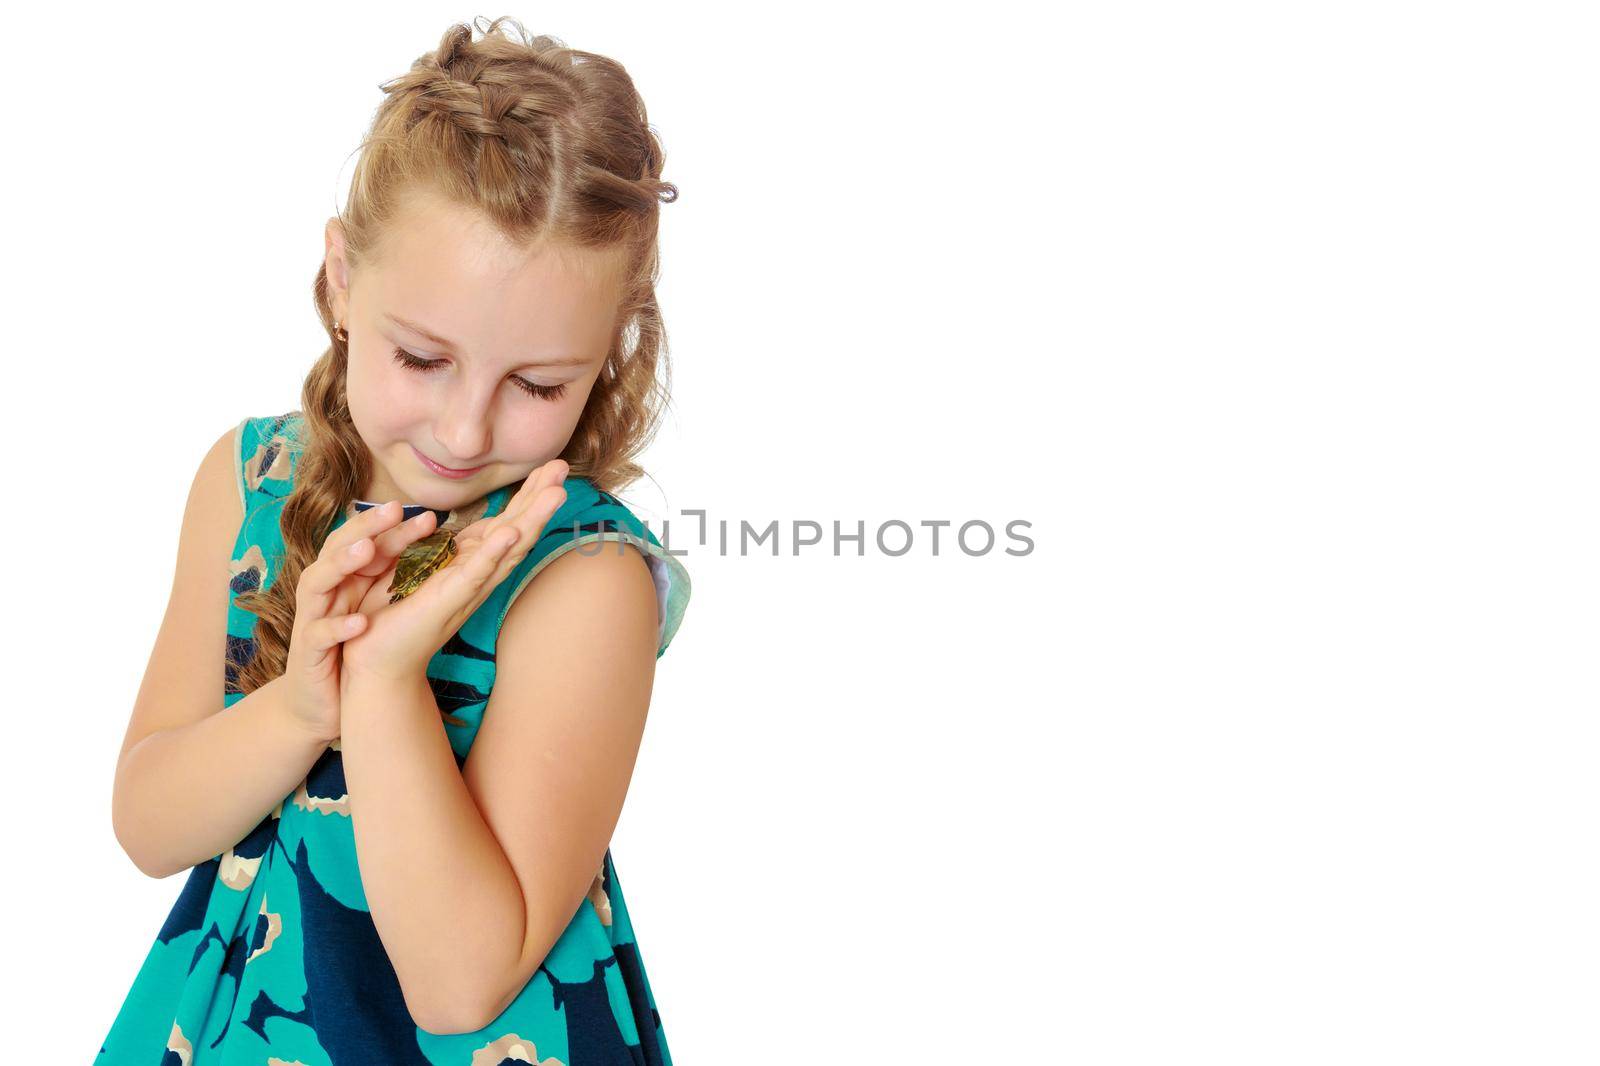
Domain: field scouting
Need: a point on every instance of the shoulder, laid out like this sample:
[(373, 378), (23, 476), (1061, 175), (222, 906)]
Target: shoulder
[(596, 555), (601, 602), (214, 497)]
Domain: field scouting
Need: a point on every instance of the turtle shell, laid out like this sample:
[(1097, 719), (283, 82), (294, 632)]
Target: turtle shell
[(420, 559)]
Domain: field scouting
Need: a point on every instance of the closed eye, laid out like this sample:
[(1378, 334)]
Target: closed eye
[(543, 392)]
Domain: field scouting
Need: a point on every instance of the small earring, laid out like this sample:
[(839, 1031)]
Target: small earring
[(339, 332)]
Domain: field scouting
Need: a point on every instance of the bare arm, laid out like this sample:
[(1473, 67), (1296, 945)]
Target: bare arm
[(192, 779), (515, 838), (186, 794)]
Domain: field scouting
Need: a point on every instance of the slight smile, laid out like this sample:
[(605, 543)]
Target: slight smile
[(445, 471)]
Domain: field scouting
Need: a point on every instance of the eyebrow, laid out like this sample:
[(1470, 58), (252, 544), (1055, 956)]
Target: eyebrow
[(434, 338)]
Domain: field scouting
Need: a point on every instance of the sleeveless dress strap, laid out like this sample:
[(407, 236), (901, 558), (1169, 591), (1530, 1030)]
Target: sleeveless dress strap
[(265, 455)]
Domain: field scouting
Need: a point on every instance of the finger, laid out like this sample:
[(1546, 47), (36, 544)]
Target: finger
[(342, 546), (545, 506), (464, 581), (387, 547), (369, 523), (497, 560), (529, 526), (319, 581), (321, 636), (377, 594), (394, 541), (342, 627), (487, 558), (552, 473), (531, 522)]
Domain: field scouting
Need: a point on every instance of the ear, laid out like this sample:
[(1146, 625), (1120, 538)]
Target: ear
[(337, 266)]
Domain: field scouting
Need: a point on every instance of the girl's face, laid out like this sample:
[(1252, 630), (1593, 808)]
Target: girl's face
[(466, 352)]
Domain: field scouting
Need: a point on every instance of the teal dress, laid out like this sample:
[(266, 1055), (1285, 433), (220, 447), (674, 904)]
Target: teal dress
[(269, 956)]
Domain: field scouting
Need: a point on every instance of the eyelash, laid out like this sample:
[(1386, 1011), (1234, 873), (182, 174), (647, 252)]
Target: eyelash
[(543, 392)]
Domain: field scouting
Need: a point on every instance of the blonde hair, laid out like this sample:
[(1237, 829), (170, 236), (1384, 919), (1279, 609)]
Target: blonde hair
[(553, 147)]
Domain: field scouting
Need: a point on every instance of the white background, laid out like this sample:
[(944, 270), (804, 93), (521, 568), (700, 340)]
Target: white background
[(1276, 322)]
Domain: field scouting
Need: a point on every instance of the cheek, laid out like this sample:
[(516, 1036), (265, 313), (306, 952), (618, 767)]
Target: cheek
[(534, 434), (358, 388), (542, 430), (376, 401), (375, 384)]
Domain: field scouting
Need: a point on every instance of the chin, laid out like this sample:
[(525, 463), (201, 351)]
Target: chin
[(445, 497)]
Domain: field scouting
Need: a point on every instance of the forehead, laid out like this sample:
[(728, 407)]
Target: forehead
[(446, 267)]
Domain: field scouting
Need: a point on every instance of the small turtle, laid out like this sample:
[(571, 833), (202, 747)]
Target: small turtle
[(420, 559)]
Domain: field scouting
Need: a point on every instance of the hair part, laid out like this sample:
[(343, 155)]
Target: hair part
[(553, 148)]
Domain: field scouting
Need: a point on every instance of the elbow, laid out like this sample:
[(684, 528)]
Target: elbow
[(157, 872), (466, 1007), (142, 862), (481, 993), (154, 870), (443, 1026), (443, 1019), (445, 1012), (120, 828)]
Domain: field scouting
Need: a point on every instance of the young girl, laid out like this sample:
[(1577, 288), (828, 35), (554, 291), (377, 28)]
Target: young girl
[(397, 829)]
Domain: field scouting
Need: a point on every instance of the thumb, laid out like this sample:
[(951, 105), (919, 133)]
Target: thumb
[(322, 639)]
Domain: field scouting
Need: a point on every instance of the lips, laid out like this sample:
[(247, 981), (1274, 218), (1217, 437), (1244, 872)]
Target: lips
[(445, 471)]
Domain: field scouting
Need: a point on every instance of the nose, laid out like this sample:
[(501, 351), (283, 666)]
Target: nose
[(462, 430)]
